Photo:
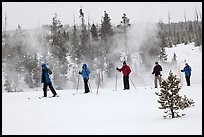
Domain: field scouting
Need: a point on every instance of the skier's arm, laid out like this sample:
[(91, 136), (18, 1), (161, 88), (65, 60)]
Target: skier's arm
[(160, 68), (153, 71), (183, 70), (88, 71), (121, 69), (129, 70)]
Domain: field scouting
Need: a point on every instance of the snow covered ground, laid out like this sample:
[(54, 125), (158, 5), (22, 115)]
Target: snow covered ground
[(110, 112)]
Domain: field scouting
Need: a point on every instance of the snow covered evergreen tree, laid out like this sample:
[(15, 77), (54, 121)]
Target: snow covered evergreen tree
[(170, 99), (94, 32), (106, 33), (75, 54), (59, 50), (84, 39)]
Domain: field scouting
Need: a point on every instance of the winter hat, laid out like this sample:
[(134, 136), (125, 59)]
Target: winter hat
[(44, 65), (186, 64), (124, 62), (84, 66), (156, 63)]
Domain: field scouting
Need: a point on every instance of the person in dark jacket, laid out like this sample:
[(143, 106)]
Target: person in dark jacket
[(85, 74), (157, 72), (45, 79), (187, 71), (126, 72)]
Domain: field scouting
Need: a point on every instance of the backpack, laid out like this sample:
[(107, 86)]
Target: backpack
[(49, 71)]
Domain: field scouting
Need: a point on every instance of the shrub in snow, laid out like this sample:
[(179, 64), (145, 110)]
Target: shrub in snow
[(170, 99)]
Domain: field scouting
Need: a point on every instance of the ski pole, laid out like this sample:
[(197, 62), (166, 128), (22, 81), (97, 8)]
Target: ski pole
[(90, 86), (37, 88), (132, 83), (98, 82), (77, 84), (116, 81), (180, 75)]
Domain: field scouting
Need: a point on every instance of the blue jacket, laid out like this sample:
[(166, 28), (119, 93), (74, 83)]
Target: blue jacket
[(187, 70), (85, 71), (45, 76)]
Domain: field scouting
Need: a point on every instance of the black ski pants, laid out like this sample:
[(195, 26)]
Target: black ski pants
[(188, 80), (86, 87), (51, 88), (126, 82)]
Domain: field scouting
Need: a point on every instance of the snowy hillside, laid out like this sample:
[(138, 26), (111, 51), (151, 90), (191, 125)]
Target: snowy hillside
[(110, 112)]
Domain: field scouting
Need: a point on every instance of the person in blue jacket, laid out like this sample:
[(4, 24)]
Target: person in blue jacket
[(85, 74), (187, 71), (45, 79)]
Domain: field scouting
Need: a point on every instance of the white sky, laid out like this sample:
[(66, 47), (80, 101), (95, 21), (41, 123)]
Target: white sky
[(32, 14)]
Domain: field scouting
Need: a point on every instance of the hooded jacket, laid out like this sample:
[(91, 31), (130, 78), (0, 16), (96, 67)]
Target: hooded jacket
[(125, 70), (45, 76), (187, 70), (156, 70), (85, 71)]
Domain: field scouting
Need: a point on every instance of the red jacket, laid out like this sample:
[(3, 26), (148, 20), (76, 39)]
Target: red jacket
[(125, 70)]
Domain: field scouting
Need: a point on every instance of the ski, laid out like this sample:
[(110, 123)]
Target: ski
[(150, 88), (81, 93), (49, 97)]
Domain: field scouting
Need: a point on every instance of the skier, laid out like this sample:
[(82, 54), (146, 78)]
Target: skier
[(85, 74), (187, 71), (126, 71), (46, 80), (156, 70)]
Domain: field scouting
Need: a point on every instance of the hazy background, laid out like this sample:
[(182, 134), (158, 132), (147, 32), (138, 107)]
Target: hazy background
[(31, 15)]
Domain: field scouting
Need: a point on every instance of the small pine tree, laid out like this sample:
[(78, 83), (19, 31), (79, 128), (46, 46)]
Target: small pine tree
[(170, 99), (174, 60), (8, 86), (94, 32)]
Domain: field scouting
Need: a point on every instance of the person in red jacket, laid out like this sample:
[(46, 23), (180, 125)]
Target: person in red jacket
[(126, 71)]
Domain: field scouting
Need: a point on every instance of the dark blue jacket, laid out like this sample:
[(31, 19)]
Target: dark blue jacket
[(45, 76), (187, 70), (85, 71)]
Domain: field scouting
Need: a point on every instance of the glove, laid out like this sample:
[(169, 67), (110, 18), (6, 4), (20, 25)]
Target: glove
[(117, 68), (80, 72), (181, 70)]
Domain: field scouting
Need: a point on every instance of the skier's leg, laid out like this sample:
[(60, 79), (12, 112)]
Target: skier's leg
[(127, 83), (86, 87), (45, 89), (124, 82), (52, 89), (159, 77), (155, 81), (188, 80)]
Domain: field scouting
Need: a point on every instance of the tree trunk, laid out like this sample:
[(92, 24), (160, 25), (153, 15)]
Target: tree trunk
[(172, 113)]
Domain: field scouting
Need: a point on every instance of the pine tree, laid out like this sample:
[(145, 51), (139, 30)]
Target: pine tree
[(8, 86), (170, 99), (174, 58), (59, 51), (59, 47), (94, 32), (75, 46), (84, 37), (106, 28), (163, 56)]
